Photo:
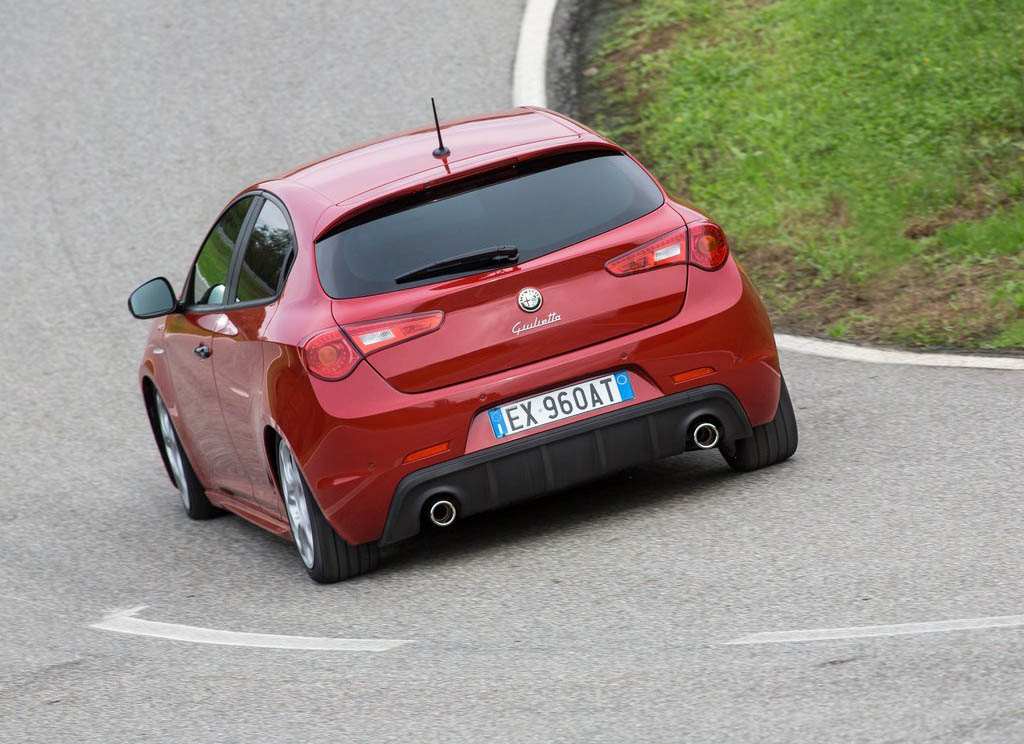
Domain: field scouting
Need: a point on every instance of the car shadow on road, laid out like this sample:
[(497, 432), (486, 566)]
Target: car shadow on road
[(685, 479)]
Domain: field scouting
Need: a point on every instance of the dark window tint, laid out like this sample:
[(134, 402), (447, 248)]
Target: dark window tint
[(265, 255), (538, 206), (210, 273)]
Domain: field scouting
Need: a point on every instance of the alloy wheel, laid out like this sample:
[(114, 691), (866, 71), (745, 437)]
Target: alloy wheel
[(294, 493), (172, 449)]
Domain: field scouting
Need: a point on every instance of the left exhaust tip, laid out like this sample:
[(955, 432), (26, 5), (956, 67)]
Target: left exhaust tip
[(442, 513), (705, 435)]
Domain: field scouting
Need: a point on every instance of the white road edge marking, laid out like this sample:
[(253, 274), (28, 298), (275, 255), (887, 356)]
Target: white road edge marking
[(529, 75), (854, 353), (529, 88), (124, 621), (869, 631)]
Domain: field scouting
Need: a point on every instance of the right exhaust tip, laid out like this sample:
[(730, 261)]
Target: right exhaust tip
[(705, 435), (442, 513)]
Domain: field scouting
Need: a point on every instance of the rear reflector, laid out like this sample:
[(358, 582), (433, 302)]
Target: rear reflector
[(375, 335), (693, 374), (422, 454)]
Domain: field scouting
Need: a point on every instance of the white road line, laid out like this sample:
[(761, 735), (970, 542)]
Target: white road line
[(530, 71), (125, 621), (869, 631), (852, 352), (529, 89)]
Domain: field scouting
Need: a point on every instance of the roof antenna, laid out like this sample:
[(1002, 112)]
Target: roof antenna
[(441, 151)]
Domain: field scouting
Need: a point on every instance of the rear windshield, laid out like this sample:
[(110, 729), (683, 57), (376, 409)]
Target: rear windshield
[(538, 206)]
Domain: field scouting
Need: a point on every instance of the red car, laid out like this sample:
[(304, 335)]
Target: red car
[(398, 336)]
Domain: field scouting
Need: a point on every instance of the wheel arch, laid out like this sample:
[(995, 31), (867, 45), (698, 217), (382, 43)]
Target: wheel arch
[(272, 436), (270, 439)]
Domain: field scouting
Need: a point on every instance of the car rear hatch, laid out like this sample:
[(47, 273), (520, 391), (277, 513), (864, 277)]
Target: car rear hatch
[(490, 324)]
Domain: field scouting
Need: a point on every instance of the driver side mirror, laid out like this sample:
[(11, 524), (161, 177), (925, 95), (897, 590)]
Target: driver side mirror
[(153, 299)]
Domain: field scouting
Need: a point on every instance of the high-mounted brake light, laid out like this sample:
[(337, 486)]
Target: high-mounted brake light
[(329, 355), (707, 250), (375, 335)]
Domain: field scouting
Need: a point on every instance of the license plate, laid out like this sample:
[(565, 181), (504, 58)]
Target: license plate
[(561, 404)]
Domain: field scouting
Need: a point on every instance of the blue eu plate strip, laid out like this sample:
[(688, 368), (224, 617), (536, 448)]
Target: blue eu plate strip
[(625, 388), (498, 422)]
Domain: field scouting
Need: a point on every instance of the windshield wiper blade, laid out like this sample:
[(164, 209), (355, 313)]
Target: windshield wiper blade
[(497, 255)]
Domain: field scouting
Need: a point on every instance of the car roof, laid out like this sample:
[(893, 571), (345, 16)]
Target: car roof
[(366, 172)]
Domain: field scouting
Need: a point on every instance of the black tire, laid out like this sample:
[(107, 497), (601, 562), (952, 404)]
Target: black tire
[(332, 558), (191, 491), (771, 443)]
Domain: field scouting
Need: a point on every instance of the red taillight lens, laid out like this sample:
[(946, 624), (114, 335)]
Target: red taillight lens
[(664, 251), (708, 247), (329, 355), (707, 250), (375, 335)]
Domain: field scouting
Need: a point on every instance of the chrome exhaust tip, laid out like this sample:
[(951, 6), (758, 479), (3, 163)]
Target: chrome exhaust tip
[(442, 512), (705, 435)]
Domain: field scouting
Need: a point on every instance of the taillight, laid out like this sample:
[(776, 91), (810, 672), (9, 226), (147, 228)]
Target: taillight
[(329, 355), (707, 250), (375, 335), (708, 247), (664, 251)]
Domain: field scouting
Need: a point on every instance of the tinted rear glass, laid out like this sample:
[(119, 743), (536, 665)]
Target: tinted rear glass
[(539, 207)]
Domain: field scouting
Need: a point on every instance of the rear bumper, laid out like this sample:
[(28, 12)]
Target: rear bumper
[(563, 457), (352, 437)]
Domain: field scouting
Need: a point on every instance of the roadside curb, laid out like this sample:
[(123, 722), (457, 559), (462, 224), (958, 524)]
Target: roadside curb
[(874, 355), (529, 88), (529, 79)]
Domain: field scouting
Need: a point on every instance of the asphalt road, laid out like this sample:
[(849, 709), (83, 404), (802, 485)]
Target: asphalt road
[(598, 615)]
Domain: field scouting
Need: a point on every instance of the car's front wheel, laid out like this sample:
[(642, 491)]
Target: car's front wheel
[(326, 556), (193, 495)]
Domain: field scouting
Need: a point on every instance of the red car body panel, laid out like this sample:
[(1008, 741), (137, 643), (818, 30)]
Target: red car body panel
[(351, 437), (583, 303)]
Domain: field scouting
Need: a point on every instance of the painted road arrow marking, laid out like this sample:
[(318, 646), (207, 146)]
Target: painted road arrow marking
[(125, 621)]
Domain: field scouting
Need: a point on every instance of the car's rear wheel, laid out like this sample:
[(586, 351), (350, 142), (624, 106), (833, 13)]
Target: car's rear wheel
[(326, 556), (193, 495), (771, 443)]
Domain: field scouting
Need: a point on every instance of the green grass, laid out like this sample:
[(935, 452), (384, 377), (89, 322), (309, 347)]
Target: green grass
[(866, 157), (213, 262)]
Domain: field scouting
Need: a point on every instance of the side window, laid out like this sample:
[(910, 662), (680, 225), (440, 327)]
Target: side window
[(210, 273), (265, 254)]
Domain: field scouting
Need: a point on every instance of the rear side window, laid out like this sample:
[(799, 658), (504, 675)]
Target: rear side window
[(259, 276), (539, 206)]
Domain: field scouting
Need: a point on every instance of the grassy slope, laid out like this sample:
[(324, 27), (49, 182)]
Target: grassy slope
[(865, 156)]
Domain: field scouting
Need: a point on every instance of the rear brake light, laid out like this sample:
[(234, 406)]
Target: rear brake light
[(375, 335), (708, 246), (329, 355), (707, 250), (664, 251)]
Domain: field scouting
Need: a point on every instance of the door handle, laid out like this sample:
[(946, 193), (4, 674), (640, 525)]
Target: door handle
[(202, 351)]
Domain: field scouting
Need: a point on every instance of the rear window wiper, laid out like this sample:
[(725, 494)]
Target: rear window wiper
[(495, 256)]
